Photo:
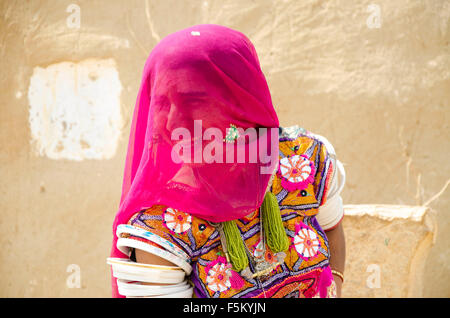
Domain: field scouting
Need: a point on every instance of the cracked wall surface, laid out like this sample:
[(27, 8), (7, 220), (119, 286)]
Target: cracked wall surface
[(375, 86), (388, 249)]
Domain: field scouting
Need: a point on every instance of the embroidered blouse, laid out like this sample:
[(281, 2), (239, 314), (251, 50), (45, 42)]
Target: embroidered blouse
[(307, 211)]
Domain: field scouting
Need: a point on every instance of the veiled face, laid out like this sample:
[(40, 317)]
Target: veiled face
[(199, 84), (193, 96)]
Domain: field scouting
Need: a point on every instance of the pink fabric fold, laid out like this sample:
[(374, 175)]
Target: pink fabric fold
[(207, 74)]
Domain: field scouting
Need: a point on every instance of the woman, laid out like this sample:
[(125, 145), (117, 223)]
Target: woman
[(217, 199)]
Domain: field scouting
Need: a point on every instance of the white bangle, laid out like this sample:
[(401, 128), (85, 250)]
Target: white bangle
[(125, 228), (124, 245), (133, 289), (181, 294), (127, 270)]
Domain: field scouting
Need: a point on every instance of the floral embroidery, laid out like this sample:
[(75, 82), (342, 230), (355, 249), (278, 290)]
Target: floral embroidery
[(306, 242), (294, 278), (296, 172), (177, 221), (268, 255), (218, 275)]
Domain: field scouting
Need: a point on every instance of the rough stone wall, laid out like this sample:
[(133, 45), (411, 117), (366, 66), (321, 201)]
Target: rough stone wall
[(371, 76)]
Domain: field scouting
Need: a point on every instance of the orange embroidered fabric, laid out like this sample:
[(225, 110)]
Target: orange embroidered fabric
[(305, 270)]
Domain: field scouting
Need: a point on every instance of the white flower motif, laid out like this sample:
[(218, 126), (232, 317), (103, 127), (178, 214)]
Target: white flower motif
[(295, 169), (218, 279), (306, 243), (177, 221)]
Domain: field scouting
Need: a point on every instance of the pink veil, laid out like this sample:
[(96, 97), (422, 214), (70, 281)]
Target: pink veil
[(198, 81)]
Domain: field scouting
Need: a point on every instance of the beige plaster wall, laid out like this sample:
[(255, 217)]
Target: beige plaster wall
[(388, 249), (379, 92)]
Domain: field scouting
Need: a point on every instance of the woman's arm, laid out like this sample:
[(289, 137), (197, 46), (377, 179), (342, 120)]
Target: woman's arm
[(147, 258), (336, 239)]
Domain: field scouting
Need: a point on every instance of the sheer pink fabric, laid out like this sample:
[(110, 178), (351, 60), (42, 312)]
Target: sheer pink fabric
[(209, 73)]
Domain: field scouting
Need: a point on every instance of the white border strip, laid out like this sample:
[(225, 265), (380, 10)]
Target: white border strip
[(128, 288), (182, 294)]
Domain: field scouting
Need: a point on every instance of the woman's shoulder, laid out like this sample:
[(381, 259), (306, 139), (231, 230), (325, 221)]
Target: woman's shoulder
[(298, 135), (316, 149)]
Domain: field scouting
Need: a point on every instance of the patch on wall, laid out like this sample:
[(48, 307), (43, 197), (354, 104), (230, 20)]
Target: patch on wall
[(75, 109)]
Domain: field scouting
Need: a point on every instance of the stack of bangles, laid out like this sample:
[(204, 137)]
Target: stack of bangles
[(337, 273), (133, 278)]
